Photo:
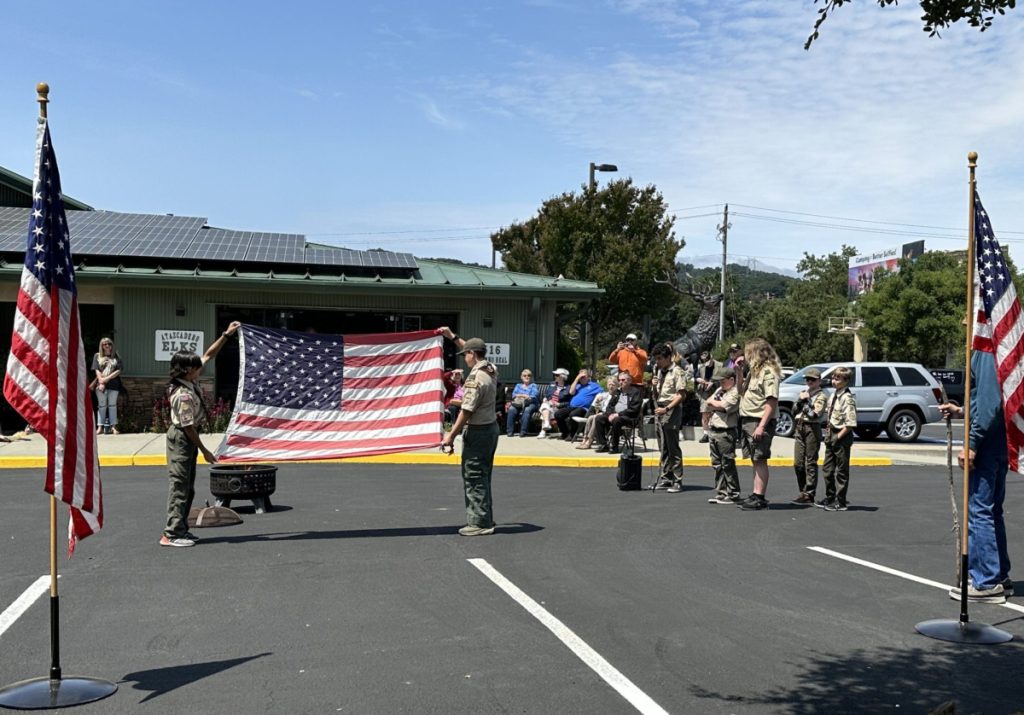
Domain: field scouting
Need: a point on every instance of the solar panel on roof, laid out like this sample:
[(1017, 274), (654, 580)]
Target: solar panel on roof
[(276, 248), (167, 237), (218, 244), (109, 233)]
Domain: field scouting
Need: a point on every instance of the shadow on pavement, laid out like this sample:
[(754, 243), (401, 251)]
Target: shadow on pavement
[(914, 680), (163, 680), (499, 530)]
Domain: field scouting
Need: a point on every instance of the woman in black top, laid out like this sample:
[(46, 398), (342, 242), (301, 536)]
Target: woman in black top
[(107, 366)]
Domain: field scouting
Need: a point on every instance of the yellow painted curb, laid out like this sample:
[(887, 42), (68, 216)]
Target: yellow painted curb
[(159, 460)]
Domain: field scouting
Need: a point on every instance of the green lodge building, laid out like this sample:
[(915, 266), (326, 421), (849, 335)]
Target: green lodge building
[(158, 283)]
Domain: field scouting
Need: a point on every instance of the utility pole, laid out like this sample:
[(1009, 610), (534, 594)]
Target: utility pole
[(723, 231)]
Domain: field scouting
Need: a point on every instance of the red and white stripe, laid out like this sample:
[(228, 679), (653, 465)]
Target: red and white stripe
[(391, 402), (1002, 334)]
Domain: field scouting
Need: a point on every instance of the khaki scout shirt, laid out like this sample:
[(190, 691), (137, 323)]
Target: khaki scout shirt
[(727, 418), (759, 388), (479, 395), (673, 381), (816, 401), (842, 410), (187, 408)]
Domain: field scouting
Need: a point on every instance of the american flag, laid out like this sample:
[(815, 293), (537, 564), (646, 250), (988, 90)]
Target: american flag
[(47, 381), (313, 396), (999, 327)]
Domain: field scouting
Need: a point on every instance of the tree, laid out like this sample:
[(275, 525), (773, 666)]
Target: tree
[(915, 315), (938, 14), (619, 237), (797, 325)]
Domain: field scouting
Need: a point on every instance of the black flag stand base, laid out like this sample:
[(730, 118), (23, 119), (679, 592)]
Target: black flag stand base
[(48, 693), (947, 629)]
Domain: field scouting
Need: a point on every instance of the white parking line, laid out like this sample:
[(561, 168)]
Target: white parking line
[(636, 697), (901, 574), (23, 602)]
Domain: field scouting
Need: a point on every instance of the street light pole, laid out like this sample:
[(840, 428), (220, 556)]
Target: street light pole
[(592, 183)]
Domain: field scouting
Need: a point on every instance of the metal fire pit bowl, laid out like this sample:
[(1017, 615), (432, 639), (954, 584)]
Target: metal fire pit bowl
[(244, 481)]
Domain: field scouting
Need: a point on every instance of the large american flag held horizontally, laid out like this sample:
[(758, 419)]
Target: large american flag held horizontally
[(47, 381), (999, 327), (313, 396)]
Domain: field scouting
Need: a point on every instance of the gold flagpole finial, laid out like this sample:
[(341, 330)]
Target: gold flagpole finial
[(43, 91), (972, 159)]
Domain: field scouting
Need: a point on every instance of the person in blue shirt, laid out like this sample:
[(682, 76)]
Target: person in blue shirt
[(525, 401), (582, 392), (988, 461)]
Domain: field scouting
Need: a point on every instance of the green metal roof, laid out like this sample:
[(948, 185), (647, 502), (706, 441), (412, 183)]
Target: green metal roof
[(433, 277), (23, 185)]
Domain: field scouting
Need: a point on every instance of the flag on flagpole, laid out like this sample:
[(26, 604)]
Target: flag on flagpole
[(47, 380), (311, 396), (999, 327)]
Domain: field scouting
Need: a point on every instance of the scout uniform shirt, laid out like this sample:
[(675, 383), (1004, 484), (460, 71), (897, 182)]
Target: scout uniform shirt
[(759, 388), (816, 402), (727, 418), (842, 411), (479, 395), (187, 409), (672, 382)]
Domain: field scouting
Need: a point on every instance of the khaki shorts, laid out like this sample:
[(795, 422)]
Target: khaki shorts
[(756, 449)]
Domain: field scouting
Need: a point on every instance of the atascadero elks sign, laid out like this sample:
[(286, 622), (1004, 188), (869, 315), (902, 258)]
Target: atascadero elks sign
[(169, 342)]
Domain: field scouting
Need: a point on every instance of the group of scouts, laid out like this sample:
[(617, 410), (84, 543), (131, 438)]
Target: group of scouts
[(743, 407)]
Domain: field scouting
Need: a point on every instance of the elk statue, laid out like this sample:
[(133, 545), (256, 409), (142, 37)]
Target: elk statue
[(704, 333)]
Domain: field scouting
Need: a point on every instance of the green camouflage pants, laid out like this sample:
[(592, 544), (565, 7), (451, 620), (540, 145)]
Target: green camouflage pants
[(181, 469), (479, 442)]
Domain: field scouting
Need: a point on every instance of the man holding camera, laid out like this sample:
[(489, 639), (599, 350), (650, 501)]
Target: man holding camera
[(630, 358)]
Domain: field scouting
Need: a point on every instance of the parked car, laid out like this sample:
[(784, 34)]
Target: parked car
[(898, 397), (952, 380)]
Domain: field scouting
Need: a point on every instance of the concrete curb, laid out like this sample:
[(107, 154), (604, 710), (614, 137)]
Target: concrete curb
[(157, 460)]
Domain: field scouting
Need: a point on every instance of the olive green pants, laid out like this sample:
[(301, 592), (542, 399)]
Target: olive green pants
[(722, 445), (837, 466), (479, 442), (181, 472), (806, 444)]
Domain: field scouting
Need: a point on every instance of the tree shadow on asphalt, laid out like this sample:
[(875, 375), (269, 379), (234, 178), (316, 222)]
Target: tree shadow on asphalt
[(915, 680), (160, 681), (500, 529)]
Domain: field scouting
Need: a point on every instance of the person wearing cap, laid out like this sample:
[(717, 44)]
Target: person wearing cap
[(630, 358), (622, 411), (582, 392), (479, 427), (840, 420), (555, 396), (734, 352), (705, 388), (807, 414), (724, 406), (673, 383)]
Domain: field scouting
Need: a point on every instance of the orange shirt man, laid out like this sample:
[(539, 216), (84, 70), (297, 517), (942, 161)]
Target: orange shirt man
[(630, 358)]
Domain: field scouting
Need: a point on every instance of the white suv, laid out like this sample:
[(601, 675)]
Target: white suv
[(898, 397)]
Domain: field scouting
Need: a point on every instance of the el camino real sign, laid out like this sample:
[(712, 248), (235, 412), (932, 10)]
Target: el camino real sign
[(169, 342)]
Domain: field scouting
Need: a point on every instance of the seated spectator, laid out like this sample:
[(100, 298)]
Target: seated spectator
[(522, 405), (582, 392), (453, 393), (630, 358), (598, 406), (556, 395), (623, 411)]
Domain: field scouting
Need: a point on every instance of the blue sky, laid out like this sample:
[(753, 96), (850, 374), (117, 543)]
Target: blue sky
[(421, 127)]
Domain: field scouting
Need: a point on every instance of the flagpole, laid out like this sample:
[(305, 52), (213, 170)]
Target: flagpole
[(53, 691), (963, 630)]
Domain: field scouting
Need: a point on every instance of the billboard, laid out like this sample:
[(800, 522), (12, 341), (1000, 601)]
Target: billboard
[(861, 276)]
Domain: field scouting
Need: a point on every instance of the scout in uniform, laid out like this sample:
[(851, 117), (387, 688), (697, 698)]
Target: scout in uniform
[(480, 437), (758, 402), (183, 444), (841, 419), (724, 406), (807, 414), (673, 383)]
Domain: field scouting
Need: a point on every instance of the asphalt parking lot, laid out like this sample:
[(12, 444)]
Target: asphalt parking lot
[(357, 596)]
